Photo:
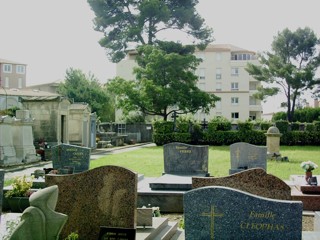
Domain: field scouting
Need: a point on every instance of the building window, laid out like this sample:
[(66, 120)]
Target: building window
[(202, 86), (235, 115), (234, 86), (241, 56), (21, 69), (218, 104), (19, 82), (218, 87), (234, 71), (200, 55), (218, 56), (201, 74), (6, 82), (218, 73), (234, 100), (7, 68)]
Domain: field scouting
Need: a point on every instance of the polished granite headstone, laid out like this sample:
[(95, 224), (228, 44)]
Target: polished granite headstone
[(66, 156), (104, 196), (1, 192), (185, 159), (245, 156), (255, 181), (226, 213)]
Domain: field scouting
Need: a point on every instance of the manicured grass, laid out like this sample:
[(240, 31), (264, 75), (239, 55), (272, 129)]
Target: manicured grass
[(149, 161)]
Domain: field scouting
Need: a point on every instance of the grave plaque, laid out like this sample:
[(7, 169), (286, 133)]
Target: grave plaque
[(104, 196), (66, 156), (226, 213), (117, 234), (1, 192), (245, 156), (185, 159)]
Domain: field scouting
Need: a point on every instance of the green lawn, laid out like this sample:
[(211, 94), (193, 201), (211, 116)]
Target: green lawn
[(149, 161)]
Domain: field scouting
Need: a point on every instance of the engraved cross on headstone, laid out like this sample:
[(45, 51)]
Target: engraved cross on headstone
[(212, 215)]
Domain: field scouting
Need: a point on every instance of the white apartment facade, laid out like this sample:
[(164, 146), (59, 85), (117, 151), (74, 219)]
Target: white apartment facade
[(221, 72)]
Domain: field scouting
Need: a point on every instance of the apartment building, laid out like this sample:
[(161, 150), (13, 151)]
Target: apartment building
[(12, 74), (221, 72)]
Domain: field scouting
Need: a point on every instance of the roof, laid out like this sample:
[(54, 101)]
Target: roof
[(26, 93), (226, 47), (10, 62), (78, 106), (54, 83)]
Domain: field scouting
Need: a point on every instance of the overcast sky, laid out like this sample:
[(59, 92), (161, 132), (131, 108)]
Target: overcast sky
[(51, 36)]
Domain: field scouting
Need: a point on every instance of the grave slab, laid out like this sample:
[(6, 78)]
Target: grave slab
[(226, 213)]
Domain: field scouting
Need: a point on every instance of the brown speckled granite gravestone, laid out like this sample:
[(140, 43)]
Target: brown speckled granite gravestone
[(104, 196), (255, 181)]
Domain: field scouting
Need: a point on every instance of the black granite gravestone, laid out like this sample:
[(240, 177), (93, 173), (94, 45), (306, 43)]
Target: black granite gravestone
[(66, 157)]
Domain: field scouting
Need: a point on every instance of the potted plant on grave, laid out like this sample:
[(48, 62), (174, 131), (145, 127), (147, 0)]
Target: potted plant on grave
[(308, 167), (18, 196)]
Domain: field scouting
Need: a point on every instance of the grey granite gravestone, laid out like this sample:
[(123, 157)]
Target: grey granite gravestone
[(181, 162), (104, 196), (185, 159), (245, 156), (1, 189), (226, 213), (66, 156)]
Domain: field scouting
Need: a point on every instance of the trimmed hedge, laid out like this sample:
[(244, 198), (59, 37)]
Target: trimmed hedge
[(192, 133)]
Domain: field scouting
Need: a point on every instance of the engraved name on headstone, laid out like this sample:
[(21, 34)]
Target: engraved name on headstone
[(226, 213), (66, 156)]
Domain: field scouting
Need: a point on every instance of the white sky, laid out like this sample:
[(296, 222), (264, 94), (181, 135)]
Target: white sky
[(52, 36)]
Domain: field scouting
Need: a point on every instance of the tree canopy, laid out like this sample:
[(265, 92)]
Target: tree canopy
[(165, 82), (290, 68), (86, 88), (129, 23)]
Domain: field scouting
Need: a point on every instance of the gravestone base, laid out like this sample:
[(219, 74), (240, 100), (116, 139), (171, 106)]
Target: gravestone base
[(8, 156), (168, 201), (311, 201), (174, 182)]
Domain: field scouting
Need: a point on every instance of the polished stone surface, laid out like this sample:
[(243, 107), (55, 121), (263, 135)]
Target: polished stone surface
[(70, 156), (104, 196), (255, 181), (311, 201), (245, 156), (226, 213), (185, 159)]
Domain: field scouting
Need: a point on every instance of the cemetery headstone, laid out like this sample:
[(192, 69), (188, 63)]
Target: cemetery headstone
[(101, 197), (245, 156), (66, 157), (226, 213), (255, 181), (1, 191), (185, 159)]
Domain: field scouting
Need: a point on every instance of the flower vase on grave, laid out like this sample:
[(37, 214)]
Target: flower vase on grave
[(308, 176)]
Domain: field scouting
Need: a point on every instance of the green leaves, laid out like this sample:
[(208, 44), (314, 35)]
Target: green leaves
[(131, 23), (164, 82), (291, 66)]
